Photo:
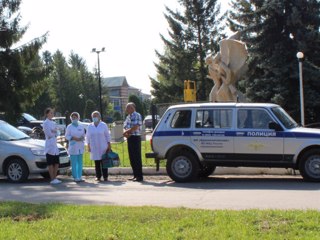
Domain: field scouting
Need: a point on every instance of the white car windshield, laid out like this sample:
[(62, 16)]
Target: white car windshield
[(284, 117), (10, 133)]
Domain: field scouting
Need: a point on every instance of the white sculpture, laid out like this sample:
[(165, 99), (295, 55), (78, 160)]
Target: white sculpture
[(225, 69)]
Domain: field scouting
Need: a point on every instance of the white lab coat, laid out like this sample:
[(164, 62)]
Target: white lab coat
[(75, 147), (98, 137), (49, 128)]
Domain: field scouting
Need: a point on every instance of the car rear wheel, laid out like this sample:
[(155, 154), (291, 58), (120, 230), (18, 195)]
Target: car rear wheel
[(182, 166), (310, 165), (17, 171)]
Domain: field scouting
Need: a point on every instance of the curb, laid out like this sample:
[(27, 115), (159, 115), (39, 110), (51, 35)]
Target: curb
[(218, 171)]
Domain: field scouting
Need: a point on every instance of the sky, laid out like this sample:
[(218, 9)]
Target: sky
[(128, 30)]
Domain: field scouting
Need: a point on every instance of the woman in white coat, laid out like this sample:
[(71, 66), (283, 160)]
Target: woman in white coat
[(75, 134), (98, 140), (51, 147)]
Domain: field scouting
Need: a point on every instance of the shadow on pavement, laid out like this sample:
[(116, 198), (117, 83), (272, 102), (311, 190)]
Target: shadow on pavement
[(221, 182), (242, 182)]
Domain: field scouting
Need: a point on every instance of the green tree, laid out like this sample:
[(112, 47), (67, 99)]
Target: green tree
[(44, 100), (193, 34), (117, 116), (21, 69), (275, 30), (61, 86), (89, 108), (71, 84), (85, 86)]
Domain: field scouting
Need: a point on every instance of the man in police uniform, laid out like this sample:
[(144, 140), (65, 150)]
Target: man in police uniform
[(132, 131)]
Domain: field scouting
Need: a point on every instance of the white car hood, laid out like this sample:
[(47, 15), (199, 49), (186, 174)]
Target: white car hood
[(306, 130), (314, 132), (31, 143)]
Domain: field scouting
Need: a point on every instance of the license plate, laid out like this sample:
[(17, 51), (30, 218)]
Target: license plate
[(64, 159)]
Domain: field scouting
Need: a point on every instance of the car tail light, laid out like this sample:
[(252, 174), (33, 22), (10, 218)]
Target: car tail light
[(151, 143)]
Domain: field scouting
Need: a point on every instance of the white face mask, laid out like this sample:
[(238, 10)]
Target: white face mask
[(75, 121), (95, 119)]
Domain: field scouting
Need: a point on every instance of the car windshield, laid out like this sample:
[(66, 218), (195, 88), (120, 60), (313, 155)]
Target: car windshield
[(284, 117), (10, 133), (29, 117)]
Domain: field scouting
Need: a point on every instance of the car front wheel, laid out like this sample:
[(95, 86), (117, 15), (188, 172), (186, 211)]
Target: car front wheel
[(206, 171), (182, 166), (310, 165), (17, 171)]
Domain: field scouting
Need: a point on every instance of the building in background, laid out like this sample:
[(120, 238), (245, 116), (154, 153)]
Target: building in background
[(119, 91)]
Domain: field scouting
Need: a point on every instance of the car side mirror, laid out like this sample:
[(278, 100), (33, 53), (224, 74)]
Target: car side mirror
[(275, 126)]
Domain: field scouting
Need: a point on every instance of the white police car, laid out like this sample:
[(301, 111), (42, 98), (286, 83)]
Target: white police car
[(195, 138)]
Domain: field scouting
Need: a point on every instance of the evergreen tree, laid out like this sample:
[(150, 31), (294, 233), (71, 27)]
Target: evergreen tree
[(85, 86), (44, 100), (21, 69), (194, 33), (275, 30), (60, 86), (71, 85)]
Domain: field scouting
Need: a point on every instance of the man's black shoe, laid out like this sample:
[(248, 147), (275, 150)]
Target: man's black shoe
[(138, 180), (132, 179)]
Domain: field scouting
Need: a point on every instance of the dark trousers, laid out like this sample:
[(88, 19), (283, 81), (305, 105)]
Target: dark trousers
[(100, 169), (134, 149)]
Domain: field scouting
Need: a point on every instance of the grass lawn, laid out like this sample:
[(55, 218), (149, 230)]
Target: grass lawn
[(122, 150), (58, 221)]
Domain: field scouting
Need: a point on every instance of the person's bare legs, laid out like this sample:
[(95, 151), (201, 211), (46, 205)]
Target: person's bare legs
[(52, 174), (53, 171)]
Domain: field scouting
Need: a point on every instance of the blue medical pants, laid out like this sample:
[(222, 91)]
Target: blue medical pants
[(76, 165)]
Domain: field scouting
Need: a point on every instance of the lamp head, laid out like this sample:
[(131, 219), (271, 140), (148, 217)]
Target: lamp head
[(93, 49), (300, 55)]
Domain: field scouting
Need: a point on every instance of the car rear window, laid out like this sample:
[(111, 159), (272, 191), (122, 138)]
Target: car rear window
[(214, 118), (181, 119)]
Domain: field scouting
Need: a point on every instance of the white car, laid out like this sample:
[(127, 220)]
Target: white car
[(195, 138), (21, 155)]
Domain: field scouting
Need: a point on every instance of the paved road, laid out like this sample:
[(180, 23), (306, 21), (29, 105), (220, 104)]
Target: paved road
[(216, 192)]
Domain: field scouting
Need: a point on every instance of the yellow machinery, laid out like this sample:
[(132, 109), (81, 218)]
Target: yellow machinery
[(190, 91)]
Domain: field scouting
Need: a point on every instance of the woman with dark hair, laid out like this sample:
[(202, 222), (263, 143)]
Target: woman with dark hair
[(51, 147)]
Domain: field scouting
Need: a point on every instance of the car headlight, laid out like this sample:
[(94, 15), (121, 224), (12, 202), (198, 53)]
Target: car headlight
[(38, 152)]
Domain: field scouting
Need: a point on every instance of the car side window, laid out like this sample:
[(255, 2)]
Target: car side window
[(181, 119), (214, 118), (253, 118)]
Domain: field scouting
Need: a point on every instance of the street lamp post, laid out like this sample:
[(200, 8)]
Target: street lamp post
[(99, 78), (300, 57)]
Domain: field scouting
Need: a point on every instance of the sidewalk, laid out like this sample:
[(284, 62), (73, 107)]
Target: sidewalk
[(218, 171)]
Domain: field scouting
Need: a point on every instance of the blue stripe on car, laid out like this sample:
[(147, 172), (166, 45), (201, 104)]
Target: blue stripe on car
[(236, 134)]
